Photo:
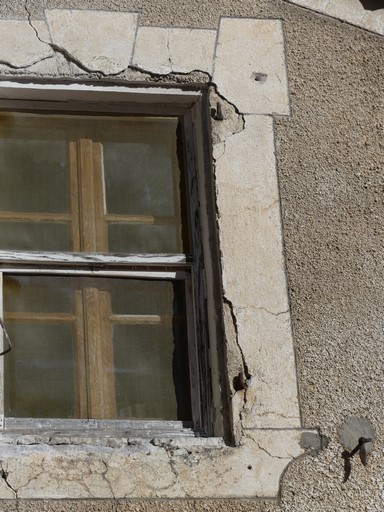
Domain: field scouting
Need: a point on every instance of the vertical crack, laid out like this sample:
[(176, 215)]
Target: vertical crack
[(247, 375), (4, 475), (29, 16)]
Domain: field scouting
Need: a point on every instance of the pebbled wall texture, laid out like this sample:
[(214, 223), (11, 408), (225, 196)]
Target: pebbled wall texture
[(330, 156)]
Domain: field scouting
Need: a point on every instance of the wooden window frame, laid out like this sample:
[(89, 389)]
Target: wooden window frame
[(198, 272)]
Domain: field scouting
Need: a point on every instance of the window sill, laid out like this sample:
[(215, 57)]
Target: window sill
[(42, 465), (112, 433)]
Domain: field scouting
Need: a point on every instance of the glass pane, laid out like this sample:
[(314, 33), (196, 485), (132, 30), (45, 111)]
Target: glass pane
[(144, 238), (32, 236), (143, 184), (36, 294), (33, 175), (39, 372), (34, 183), (139, 177), (40, 369)]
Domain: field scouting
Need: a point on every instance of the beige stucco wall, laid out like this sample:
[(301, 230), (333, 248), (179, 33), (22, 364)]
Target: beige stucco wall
[(330, 167)]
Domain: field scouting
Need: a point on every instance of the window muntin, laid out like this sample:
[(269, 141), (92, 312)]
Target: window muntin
[(82, 209)]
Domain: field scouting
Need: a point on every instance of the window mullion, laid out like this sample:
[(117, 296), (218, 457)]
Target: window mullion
[(86, 195), (74, 195), (80, 359), (106, 342), (99, 354), (99, 198)]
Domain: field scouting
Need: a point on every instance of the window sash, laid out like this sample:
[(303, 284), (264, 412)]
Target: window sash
[(99, 397), (191, 106), (91, 221)]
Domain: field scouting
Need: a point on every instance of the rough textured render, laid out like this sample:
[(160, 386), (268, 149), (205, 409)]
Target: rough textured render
[(163, 50), (20, 47), (98, 40), (249, 66), (351, 11)]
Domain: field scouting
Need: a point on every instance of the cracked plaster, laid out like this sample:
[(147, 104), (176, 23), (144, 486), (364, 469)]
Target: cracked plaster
[(162, 50), (161, 469), (254, 280)]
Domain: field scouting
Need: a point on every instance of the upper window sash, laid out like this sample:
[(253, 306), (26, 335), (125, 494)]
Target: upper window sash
[(92, 184)]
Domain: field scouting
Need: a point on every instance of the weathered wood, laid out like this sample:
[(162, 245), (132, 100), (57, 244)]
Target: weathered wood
[(74, 196), (133, 274), (106, 349), (34, 216), (140, 219), (145, 319), (65, 259), (101, 231), (56, 318), (80, 359)]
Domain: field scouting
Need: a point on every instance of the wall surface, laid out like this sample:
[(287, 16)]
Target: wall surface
[(330, 168)]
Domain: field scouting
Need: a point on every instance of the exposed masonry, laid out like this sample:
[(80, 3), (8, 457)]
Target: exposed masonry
[(351, 11), (243, 63)]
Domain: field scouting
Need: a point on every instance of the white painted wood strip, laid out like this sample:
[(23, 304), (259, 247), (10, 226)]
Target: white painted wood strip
[(182, 275), (100, 260), (109, 95)]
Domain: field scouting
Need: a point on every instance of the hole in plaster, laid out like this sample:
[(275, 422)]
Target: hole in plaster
[(259, 77)]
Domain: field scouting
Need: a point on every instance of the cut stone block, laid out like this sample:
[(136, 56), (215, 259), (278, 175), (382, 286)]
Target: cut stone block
[(166, 50), (252, 254), (267, 345), (374, 21), (20, 47), (249, 67), (99, 40), (348, 10), (252, 469), (315, 5)]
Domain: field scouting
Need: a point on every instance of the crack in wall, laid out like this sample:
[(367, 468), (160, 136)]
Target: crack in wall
[(104, 475), (24, 66), (247, 375), (287, 457), (98, 73), (4, 475), (262, 308)]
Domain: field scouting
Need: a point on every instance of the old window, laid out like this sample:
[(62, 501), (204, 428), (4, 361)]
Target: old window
[(99, 267)]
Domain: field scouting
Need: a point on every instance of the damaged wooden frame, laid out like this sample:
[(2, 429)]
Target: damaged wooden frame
[(47, 274)]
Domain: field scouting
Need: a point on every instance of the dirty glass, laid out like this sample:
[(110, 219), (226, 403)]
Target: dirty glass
[(46, 170), (139, 343)]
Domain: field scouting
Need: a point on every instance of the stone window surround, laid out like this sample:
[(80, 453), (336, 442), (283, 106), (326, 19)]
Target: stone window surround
[(265, 417)]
